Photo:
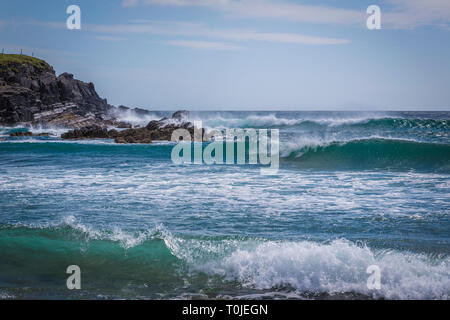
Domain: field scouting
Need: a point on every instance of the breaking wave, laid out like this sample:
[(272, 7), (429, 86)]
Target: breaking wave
[(372, 152), (303, 268), (362, 121)]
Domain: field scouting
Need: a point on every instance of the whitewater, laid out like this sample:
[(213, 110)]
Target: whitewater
[(354, 189)]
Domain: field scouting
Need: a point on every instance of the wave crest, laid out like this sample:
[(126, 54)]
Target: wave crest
[(365, 121), (335, 268), (374, 153), (302, 267)]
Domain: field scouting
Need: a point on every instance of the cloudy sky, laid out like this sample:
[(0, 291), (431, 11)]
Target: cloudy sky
[(244, 54)]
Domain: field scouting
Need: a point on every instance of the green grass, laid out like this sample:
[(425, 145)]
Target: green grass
[(12, 60)]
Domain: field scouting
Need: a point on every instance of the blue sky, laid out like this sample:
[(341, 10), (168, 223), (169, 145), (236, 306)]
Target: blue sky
[(244, 54)]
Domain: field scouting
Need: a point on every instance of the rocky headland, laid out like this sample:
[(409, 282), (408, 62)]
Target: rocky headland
[(31, 95)]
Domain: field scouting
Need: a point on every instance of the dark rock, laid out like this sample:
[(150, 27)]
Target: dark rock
[(91, 132), (21, 134), (122, 108), (31, 92), (113, 133), (28, 134), (120, 140), (155, 130), (141, 112), (153, 125), (141, 135), (123, 125), (181, 115)]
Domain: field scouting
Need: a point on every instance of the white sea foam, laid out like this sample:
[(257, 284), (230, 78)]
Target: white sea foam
[(298, 145), (222, 121), (130, 116), (6, 296), (126, 240), (310, 267), (52, 131), (338, 267)]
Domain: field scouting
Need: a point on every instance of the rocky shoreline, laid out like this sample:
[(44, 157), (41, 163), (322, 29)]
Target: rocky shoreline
[(155, 130), (31, 95)]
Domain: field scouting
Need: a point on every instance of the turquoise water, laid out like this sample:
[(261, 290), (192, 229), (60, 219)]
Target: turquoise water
[(353, 190)]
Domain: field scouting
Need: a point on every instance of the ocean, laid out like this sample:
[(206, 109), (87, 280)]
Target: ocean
[(354, 189)]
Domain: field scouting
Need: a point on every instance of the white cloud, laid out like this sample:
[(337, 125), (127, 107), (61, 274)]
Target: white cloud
[(266, 9), (416, 13), (133, 3), (108, 38), (297, 12), (198, 30), (204, 45), (130, 3), (395, 13)]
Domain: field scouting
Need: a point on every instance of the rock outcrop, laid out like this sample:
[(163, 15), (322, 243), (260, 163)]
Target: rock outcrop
[(31, 93), (155, 130), (29, 134), (89, 132), (181, 115)]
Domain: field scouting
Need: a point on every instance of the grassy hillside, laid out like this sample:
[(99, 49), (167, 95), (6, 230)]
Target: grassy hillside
[(12, 60)]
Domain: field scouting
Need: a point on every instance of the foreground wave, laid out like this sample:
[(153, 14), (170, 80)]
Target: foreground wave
[(156, 264)]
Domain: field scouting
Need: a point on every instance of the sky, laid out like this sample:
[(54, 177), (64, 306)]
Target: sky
[(244, 54)]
